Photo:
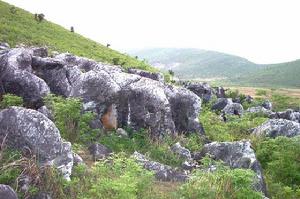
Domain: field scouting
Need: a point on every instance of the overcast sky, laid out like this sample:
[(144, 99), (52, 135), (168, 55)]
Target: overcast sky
[(263, 31)]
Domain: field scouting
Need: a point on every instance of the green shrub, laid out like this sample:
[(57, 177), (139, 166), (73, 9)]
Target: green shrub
[(234, 129), (224, 183), (73, 125), (279, 158), (141, 142), (10, 100), (261, 92)]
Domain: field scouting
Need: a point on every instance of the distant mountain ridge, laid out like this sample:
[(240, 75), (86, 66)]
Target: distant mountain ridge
[(189, 63)]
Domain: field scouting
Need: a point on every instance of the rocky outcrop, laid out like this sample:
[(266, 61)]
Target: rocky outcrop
[(155, 76), (31, 130), (99, 151), (203, 90), (16, 77), (117, 98), (6, 192), (288, 114), (278, 127), (162, 172), (236, 155), (221, 103)]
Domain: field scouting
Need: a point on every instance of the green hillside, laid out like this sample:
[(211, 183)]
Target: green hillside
[(21, 27), (274, 75), (194, 63), (223, 69)]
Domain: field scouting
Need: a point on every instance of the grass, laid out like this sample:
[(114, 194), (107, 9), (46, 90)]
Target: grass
[(21, 27)]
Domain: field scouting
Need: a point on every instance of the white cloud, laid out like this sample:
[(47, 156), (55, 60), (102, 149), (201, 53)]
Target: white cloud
[(264, 31)]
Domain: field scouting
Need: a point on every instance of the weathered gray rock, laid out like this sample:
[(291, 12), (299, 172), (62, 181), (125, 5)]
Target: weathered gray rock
[(267, 105), (278, 127), (220, 92), (121, 132), (203, 90), (249, 99), (42, 195), (16, 77), (185, 107), (155, 76), (44, 110), (221, 103), (40, 51), (6, 192), (288, 114), (259, 109), (40, 63), (234, 109), (77, 159), (4, 46), (99, 151), (236, 155), (162, 172), (181, 151), (26, 128)]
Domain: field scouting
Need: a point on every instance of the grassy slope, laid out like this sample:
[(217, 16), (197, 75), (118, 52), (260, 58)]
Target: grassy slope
[(275, 75), (21, 27), (201, 64), (195, 63)]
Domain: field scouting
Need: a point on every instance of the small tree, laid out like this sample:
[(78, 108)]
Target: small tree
[(13, 10), (72, 29), (107, 45), (171, 72), (116, 61), (39, 17)]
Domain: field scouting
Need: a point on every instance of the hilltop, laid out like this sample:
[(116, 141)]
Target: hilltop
[(223, 68), (19, 26)]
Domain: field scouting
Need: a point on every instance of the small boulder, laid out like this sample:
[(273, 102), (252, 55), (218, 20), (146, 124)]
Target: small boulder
[(267, 105), (121, 132), (259, 109), (4, 46), (236, 155), (220, 92), (99, 151), (221, 103), (203, 90), (181, 151), (278, 127), (6, 192), (162, 172), (40, 51), (234, 109)]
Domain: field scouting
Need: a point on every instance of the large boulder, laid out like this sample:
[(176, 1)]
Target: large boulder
[(147, 74), (6, 192), (236, 155), (221, 103), (278, 127), (203, 90), (185, 108), (16, 77), (288, 114), (29, 129), (234, 109), (162, 172)]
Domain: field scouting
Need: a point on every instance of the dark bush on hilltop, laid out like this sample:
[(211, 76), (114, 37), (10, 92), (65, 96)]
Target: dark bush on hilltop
[(116, 61), (39, 17)]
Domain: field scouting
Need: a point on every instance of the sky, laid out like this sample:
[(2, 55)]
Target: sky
[(263, 31)]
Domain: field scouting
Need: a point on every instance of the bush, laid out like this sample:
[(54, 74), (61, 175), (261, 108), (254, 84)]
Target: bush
[(11, 100), (279, 158), (223, 183), (261, 92), (73, 125), (140, 141), (234, 129)]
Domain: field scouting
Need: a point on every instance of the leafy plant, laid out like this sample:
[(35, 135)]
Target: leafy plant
[(73, 125), (11, 100)]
